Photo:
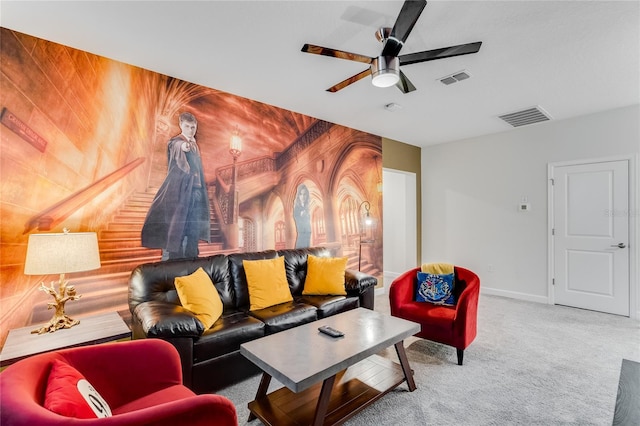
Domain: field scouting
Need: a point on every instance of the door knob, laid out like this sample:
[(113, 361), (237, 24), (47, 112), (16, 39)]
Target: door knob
[(619, 245)]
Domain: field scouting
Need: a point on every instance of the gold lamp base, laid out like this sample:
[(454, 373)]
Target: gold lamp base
[(60, 319)]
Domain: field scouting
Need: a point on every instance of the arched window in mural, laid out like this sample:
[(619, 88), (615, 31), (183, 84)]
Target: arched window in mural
[(247, 235), (281, 242), (349, 221), (319, 233)]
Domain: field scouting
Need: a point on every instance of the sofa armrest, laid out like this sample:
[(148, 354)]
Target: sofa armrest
[(362, 285), (401, 291), (358, 281), (165, 320), (467, 304)]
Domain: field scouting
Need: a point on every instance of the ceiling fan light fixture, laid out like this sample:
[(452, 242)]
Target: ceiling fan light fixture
[(385, 71)]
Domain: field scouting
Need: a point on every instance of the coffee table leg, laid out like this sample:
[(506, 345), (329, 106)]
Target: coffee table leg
[(262, 391), (404, 362), (323, 401)]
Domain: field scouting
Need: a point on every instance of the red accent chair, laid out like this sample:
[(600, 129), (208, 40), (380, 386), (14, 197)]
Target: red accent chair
[(140, 380), (451, 325)]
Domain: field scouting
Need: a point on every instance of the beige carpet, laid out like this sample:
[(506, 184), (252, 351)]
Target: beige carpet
[(531, 364)]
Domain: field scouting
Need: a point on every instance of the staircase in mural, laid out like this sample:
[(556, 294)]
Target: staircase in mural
[(365, 265), (106, 289)]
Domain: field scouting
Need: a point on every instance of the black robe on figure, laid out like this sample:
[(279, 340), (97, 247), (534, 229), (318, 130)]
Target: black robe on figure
[(176, 209)]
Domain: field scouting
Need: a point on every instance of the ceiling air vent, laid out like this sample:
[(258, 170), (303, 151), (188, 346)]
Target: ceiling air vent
[(526, 116), (454, 78)]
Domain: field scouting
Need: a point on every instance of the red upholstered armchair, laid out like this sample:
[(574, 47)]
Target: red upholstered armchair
[(451, 325), (140, 380)]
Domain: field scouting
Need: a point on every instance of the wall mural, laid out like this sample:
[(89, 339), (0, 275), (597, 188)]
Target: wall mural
[(92, 144)]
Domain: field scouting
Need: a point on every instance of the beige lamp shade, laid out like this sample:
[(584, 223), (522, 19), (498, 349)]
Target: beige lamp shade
[(62, 253)]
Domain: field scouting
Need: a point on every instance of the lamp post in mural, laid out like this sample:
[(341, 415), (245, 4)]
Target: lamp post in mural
[(235, 149), (365, 224)]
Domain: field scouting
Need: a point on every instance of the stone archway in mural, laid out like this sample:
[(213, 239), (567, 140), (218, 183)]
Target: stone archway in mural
[(356, 181)]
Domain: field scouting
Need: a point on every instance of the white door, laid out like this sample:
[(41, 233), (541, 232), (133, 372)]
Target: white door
[(591, 236), (399, 223)]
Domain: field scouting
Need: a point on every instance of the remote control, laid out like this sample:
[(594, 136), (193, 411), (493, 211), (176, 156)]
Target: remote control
[(330, 331)]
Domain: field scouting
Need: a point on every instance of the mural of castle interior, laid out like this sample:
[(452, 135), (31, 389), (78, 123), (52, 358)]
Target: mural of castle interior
[(84, 146)]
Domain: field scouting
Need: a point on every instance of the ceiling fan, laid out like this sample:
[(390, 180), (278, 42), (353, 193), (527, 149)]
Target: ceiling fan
[(385, 69)]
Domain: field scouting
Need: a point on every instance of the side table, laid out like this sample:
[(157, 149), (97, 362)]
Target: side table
[(92, 330)]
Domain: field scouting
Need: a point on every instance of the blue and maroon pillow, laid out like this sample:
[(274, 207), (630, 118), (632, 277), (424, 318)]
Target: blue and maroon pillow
[(435, 288)]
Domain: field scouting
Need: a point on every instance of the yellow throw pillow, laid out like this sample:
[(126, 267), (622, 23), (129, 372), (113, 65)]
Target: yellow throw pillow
[(325, 275), (438, 268), (198, 294), (267, 281)]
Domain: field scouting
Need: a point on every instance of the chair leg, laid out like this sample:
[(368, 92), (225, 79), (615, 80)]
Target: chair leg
[(460, 353)]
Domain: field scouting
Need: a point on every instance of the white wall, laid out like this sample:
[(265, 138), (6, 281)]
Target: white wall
[(471, 190)]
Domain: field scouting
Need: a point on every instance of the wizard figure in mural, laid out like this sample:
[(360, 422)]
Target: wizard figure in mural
[(179, 215), (302, 216)]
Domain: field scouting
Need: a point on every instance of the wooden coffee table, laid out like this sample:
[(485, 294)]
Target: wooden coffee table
[(327, 380)]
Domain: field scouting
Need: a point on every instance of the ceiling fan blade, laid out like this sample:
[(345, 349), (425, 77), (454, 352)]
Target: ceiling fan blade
[(319, 50), (404, 84), (407, 18), (445, 52), (350, 80)]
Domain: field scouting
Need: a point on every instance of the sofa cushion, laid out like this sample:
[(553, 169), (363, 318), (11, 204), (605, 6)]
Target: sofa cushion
[(226, 336), (438, 316), (267, 282), (285, 315), (330, 305), (325, 276), (217, 268), (69, 394), (163, 396), (198, 294)]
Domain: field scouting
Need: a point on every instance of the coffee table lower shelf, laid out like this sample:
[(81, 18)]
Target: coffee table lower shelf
[(353, 390)]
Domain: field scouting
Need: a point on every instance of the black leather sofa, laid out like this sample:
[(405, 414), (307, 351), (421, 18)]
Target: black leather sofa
[(211, 358)]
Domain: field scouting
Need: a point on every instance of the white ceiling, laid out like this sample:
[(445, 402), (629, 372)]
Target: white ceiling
[(569, 57)]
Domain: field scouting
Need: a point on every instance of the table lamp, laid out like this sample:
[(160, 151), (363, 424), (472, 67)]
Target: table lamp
[(61, 254)]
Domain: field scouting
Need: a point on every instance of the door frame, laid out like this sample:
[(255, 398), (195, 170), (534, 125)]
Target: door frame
[(633, 217), (391, 222)]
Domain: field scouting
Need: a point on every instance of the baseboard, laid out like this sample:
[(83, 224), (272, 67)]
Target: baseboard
[(380, 290), (514, 295)]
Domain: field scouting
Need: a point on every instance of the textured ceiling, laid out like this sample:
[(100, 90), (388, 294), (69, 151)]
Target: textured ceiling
[(569, 57)]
